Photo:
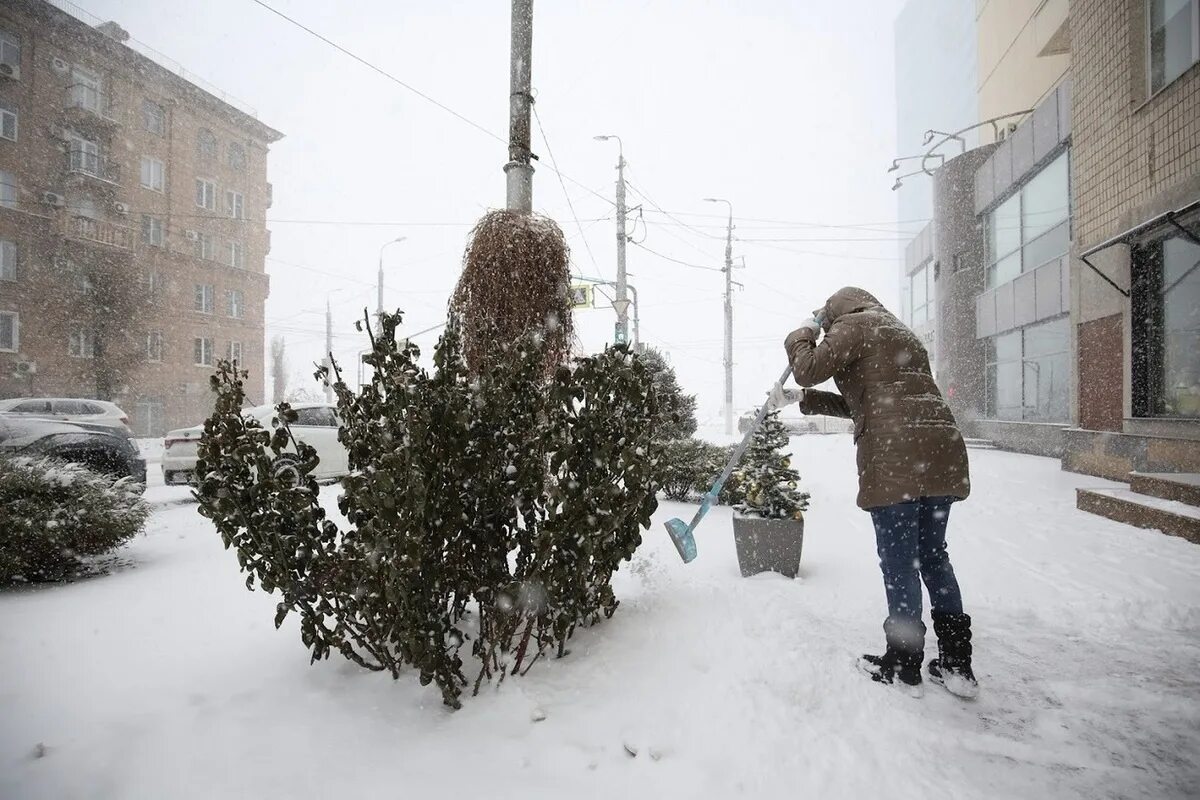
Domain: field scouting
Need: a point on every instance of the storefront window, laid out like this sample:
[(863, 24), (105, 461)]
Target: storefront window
[(1028, 373), (1166, 306), (1181, 327), (1033, 226)]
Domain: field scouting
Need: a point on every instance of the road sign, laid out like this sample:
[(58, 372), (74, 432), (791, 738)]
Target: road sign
[(619, 336), (621, 306), (582, 296)]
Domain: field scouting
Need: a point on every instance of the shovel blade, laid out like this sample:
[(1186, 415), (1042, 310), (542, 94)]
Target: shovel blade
[(682, 538)]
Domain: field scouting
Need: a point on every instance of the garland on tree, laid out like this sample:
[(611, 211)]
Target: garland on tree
[(766, 480), (488, 506)]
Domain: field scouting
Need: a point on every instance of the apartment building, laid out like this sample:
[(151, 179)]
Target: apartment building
[(132, 223)]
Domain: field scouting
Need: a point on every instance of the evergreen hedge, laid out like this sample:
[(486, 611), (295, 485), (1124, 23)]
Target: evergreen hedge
[(487, 507), (54, 515)]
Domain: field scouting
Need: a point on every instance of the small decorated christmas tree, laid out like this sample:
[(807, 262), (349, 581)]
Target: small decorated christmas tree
[(766, 477)]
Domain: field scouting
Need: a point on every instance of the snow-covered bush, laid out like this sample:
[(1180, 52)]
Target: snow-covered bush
[(765, 479), (683, 466), (688, 467), (53, 515), (676, 410), (488, 509)]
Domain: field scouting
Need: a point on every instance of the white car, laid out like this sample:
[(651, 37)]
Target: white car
[(68, 409), (316, 425)]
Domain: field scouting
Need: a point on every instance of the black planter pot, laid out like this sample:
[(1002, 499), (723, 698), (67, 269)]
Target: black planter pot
[(768, 545)]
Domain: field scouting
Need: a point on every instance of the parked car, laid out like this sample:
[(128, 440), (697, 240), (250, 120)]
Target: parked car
[(316, 425), (98, 447), (68, 409)]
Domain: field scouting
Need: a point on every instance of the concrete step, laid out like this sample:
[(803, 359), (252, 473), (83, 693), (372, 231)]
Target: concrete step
[(1181, 486), (1125, 505), (980, 444)]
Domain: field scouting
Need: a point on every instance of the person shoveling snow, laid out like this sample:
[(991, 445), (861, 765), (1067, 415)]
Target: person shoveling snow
[(912, 464)]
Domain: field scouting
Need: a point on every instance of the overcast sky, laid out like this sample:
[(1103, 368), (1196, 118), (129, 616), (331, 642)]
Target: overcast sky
[(785, 107)]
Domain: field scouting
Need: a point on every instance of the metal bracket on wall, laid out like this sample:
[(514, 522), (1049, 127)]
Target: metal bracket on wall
[(1170, 217), (1107, 279)]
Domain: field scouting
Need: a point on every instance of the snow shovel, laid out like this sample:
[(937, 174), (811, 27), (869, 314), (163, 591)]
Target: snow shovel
[(681, 534)]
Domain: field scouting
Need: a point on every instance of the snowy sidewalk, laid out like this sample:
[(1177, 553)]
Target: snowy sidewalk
[(167, 679)]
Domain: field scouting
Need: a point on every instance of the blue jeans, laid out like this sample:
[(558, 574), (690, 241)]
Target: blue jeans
[(911, 540)]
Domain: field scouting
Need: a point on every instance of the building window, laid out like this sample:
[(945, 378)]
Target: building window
[(234, 353), (1173, 39), (82, 343), (1033, 226), (202, 352), (1028, 373), (206, 194), (152, 230), (154, 118), (153, 174), (1166, 328), (85, 157), (154, 285), (921, 296), (204, 298), (237, 307), (10, 49), (236, 255), (206, 144), (154, 346), (10, 332), (86, 91), (150, 417), (237, 155), (235, 204), (81, 279), (206, 246), (8, 190), (8, 260), (8, 121)]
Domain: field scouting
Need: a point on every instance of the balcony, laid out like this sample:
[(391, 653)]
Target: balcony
[(81, 161), (90, 104), (98, 231)]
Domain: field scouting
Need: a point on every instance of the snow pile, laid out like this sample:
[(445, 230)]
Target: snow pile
[(168, 681)]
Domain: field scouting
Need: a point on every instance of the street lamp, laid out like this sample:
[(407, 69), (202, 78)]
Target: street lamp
[(379, 284), (728, 316), (622, 301)]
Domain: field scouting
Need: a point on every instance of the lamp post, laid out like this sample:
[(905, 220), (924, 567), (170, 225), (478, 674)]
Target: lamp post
[(728, 316), (622, 301), (379, 284)]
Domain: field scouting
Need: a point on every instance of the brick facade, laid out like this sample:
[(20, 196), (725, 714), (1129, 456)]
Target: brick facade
[(99, 220), (1133, 156)]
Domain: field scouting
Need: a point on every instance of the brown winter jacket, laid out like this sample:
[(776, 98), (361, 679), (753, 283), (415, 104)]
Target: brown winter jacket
[(908, 443)]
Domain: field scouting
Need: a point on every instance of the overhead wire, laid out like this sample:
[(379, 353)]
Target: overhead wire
[(414, 90), (676, 260), (570, 205)]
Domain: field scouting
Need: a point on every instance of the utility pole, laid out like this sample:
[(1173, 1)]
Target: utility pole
[(328, 352), (519, 169), (728, 317), (621, 304)]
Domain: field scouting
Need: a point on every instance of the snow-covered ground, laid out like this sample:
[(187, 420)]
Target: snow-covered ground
[(167, 679)]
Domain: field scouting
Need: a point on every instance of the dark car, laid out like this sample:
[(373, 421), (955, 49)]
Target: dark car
[(99, 448)]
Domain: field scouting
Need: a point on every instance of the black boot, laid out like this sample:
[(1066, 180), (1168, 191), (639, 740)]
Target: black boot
[(903, 657), (952, 667)]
